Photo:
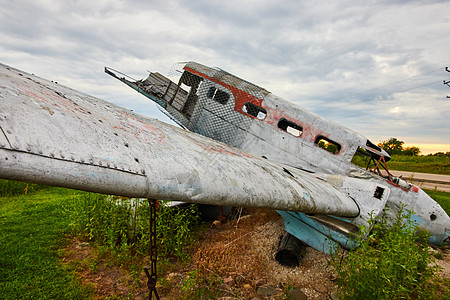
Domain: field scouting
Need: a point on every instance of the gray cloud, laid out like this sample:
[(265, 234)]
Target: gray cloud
[(353, 62)]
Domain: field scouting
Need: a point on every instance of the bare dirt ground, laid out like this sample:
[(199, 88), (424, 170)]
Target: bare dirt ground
[(237, 258)]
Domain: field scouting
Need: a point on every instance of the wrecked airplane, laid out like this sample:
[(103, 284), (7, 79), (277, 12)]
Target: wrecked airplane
[(228, 109), (243, 146)]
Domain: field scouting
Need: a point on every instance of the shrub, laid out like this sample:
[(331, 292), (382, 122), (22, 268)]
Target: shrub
[(122, 224), (174, 226), (391, 263)]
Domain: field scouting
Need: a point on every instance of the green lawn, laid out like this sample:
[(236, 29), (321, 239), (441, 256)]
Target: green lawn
[(418, 163), (32, 229), (442, 198)]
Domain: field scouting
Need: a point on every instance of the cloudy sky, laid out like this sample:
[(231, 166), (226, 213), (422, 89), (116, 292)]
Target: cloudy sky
[(376, 67)]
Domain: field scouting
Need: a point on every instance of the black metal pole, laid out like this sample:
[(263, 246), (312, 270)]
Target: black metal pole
[(150, 271)]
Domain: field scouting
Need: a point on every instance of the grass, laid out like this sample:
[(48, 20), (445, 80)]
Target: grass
[(421, 164), (35, 221), (13, 188), (442, 198), (33, 228)]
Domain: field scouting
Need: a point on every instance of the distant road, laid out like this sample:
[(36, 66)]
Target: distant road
[(425, 180)]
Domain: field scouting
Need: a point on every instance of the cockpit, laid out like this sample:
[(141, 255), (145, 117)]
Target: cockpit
[(374, 159)]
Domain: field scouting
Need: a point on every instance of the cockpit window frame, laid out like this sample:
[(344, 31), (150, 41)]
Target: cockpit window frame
[(254, 111), (290, 127), (218, 95), (320, 138)]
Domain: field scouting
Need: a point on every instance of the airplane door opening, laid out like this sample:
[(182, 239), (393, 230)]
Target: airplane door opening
[(186, 98)]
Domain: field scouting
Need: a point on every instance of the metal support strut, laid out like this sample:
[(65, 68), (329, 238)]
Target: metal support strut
[(151, 283)]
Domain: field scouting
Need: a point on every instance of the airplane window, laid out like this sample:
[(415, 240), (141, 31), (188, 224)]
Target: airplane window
[(327, 144), (290, 127), (254, 110), (218, 95)]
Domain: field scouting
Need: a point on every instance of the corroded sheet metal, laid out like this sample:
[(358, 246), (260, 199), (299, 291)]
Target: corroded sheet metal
[(58, 136)]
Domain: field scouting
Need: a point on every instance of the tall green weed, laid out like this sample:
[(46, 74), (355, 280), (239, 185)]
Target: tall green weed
[(174, 227), (122, 224), (391, 263)]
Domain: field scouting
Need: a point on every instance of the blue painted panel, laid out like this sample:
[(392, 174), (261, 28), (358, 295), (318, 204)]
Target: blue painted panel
[(313, 233)]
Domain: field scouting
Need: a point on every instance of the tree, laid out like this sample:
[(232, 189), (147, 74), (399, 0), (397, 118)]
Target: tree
[(411, 151), (392, 146), (395, 146)]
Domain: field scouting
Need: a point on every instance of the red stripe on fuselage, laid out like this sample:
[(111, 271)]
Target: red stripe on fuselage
[(240, 96)]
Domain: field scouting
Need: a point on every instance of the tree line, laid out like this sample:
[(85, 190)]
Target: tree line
[(394, 146)]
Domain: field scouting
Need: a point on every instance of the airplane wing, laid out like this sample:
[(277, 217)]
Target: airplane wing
[(54, 135)]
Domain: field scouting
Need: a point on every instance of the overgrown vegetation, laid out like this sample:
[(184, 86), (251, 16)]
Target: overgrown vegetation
[(122, 224), (35, 220), (119, 230), (391, 263)]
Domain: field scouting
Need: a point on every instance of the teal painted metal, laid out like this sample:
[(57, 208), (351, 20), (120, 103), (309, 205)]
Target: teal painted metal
[(315, 234)]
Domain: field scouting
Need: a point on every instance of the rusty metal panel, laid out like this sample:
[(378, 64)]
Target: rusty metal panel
[(62, 137), (226, 78)]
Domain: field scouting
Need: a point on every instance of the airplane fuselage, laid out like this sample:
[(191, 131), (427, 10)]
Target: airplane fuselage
[(223, 107)]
